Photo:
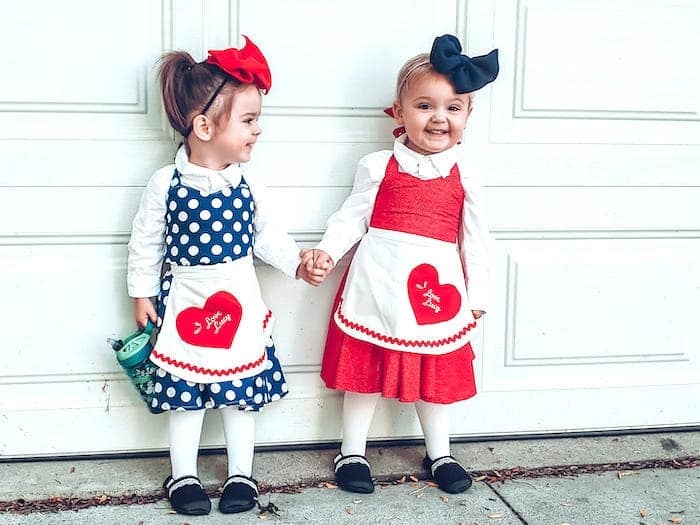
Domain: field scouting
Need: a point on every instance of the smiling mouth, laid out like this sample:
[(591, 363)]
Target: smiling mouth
[(436, 132)]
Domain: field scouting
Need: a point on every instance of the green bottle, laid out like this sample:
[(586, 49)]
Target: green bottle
[(132, 354)]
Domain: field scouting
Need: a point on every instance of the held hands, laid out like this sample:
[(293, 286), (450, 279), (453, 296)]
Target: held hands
[(314, 266), (143, 311)]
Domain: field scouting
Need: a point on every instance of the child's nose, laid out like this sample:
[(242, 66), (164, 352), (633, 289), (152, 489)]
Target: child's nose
[(439, 115), (257, 130)]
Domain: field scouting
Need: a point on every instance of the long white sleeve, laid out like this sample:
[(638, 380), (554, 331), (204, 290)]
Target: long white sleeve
[(474, 238), (273, 244), (147, 244), (347, 225)]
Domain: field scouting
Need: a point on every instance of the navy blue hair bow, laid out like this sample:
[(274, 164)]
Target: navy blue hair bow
[(466, 74)]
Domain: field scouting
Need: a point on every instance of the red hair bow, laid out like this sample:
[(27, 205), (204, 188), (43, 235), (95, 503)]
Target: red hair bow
[(248, 65), (397, 131)]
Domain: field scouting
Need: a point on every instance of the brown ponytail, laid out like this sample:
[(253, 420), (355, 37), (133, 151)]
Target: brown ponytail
[(186, 86)]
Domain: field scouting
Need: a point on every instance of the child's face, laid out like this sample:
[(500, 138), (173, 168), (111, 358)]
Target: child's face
[(432, 113), (233, 141)]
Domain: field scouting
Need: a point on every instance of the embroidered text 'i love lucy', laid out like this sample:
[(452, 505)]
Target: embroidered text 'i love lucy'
[(214, 325), (431, 301)]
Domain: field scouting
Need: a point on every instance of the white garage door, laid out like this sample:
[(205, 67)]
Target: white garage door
[(589, 142)]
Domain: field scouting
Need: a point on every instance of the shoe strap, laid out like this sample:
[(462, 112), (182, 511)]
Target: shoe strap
[(242, 479), (439, 462), (171, 485), (341, 460)]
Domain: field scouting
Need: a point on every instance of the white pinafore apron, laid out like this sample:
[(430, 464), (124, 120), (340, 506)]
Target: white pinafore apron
[(406, 292), (216, 324)]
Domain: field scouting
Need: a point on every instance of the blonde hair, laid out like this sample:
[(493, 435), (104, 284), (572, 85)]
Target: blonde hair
[(415, 68)]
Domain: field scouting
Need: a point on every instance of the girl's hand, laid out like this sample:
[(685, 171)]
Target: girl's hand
[(311, 275), (322, 261), (307, 257), (144, 310), (477, 313), (314, 266)]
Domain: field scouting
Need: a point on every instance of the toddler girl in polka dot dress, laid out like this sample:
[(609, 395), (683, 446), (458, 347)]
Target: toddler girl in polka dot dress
[(199, 223)]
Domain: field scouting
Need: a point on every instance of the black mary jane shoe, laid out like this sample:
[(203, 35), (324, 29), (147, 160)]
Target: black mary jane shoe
[(449, 474), (187, 496), (352, 473), (240, 494)]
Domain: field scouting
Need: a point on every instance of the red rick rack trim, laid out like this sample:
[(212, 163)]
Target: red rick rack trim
[(210, 371), (267, 319), (216, 372), (403, 342)]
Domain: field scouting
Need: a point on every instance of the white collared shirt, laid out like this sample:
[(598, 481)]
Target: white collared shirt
[(147, 244), (424, 167), (350, 223)]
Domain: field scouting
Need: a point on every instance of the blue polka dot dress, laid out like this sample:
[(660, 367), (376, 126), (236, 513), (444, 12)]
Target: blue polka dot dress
[(204, 230)]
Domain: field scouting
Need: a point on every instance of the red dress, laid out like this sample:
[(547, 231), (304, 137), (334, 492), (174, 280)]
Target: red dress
[(431, 209)]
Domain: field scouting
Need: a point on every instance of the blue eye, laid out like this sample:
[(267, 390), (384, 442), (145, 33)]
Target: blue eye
[(455, 108), (423, 105)]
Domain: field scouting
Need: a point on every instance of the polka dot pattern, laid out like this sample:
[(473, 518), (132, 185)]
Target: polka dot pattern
[(208, 229), (250, 393)]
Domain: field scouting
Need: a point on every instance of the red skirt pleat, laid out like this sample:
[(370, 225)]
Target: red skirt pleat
[(358, 366)]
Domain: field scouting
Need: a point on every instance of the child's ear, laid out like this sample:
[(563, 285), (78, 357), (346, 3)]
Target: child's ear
[(202, 128), (398, 113)]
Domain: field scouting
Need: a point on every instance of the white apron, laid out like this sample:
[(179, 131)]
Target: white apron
[(406, 292), (216, 324)]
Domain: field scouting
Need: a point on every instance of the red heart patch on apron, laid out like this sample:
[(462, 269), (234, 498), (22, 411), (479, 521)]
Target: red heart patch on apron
[(212, 326), (431, 301)]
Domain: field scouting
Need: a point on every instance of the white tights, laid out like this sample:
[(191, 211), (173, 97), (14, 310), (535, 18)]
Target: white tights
[(239, 429), (358, 410), (186, 430)]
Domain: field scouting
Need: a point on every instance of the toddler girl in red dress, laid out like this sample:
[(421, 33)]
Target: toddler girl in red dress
[(407, 308)]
